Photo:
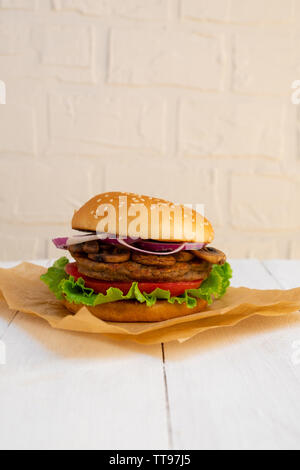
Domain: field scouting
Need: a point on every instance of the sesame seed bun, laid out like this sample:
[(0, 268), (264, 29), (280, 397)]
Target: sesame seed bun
[(137, 216), (126, 311)]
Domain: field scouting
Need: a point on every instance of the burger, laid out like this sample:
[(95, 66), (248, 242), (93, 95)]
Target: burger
[(137, 258)]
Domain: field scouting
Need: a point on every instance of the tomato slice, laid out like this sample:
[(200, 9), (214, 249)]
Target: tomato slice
[(175, 288)]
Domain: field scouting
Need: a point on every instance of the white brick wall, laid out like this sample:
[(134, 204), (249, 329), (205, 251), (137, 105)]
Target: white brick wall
[(186, 99), (228, 126), (169, 58), (18, 4), (107, 120)]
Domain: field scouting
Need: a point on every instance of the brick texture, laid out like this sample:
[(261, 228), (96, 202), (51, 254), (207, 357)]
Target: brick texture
[(278, 196), (263, 62), (201, 10), (165, 58), (18, 4), (106, 121), (88, 7), (273, 12), (134, 9), (12, 251), (217, 126), (295, 249), (17, 121), (64, 51), (52, 193), (240, 12), (181, 183), (66, 45), (11, 41), (185, 99)]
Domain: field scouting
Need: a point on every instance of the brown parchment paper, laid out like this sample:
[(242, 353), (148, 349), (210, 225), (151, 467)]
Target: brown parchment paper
[(22, 290)]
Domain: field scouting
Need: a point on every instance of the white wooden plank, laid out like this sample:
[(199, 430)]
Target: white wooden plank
[(237, 387), (286, 272), (67, 390), (251, 273)]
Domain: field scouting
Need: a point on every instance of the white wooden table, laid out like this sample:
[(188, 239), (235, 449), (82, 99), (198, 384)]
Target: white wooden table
[(236, 387)]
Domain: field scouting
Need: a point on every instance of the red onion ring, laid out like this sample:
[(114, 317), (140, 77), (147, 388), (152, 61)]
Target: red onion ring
[(134, 248), (143, 246), (63, 242), (167, 246)]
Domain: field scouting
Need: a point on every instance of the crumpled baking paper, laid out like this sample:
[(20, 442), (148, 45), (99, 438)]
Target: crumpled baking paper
[(23, 291)]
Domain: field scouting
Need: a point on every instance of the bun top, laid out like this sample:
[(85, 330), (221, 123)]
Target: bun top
[(137, 216)]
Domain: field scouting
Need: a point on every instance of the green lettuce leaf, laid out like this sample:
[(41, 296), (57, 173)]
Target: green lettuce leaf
[(65, 287), (55, 275), (215, 285)]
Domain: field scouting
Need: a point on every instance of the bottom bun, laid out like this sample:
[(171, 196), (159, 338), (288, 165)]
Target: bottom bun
[(134, 311)]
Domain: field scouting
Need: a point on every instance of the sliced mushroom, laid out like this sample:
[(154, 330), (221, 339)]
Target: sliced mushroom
[(111, 256), (91, 247), (210, 254), (184, 256), (75, 248)]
